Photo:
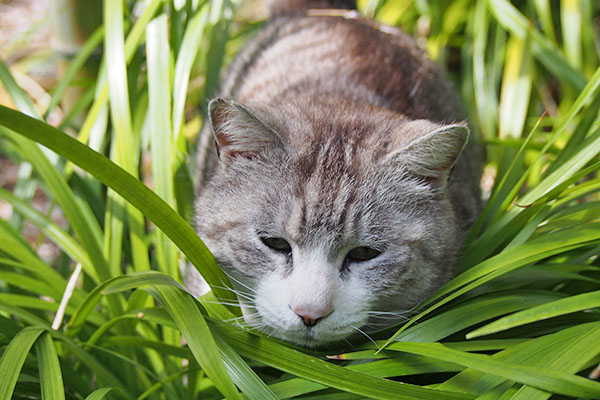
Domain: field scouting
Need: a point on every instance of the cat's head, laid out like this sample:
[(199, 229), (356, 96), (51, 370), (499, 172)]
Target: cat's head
[(329, 221)]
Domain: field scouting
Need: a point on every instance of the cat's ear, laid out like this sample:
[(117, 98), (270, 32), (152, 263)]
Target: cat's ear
[(435, 150), (238, 131)]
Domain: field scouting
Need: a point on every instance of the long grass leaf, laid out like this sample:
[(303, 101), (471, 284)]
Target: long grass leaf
[(474, 311), (555, 308), (185, 58), (198, 336), (49, 367), (301, 365), (245, 378), (74, 67), (66, 198), (132, 43), (547, 53), (546, 351), (101, 393), (542, 378), (16, 247), (162, 146), (59, 236), (115, 285), (510, 260), (130, 188), (13, 358)]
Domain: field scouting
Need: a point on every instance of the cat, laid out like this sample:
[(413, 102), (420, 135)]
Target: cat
[(331, 189)]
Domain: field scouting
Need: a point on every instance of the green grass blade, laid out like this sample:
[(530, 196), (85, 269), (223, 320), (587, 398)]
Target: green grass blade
[(486, 105), (539, 377), (301, 365), (555, 308), (544, 11), (244, 377), (504, 191), (75, 66), (31, 284), (115, 285), (64, 196), (516, 88), (185, 58), (102, 373), (544, 50), (570, 358), (117, 79), (567, 170), (571, 21), (125, 149), (193, 326), (398, 366), (135, 341), (20, 98), (60, 237), (49, 367), (24, 316), (550, 351), (13, 358), (128, 187), (473, 312), (15, 246), (589, 149), (96, 117), (25, 186), (510, 260), (101, 393), (162, 146)]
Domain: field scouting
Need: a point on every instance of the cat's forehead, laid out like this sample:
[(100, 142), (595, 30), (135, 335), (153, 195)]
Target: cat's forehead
[(358, 132)]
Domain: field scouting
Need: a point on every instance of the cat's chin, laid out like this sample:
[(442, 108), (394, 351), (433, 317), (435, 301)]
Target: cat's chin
[(310, 337)]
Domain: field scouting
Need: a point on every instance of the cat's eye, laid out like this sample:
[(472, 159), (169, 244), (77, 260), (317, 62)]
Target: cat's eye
[(363, 253), (278, 244)]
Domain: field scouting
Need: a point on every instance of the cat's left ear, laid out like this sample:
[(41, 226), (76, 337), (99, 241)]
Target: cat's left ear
[(238, 131), (433, 154)]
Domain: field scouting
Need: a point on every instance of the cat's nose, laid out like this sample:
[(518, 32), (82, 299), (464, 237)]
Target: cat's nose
[(310, 317)]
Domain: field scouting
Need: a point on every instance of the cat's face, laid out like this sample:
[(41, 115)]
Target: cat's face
[(329, 233)]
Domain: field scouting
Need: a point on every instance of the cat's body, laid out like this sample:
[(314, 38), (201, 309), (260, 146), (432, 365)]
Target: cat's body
[(328, 199)]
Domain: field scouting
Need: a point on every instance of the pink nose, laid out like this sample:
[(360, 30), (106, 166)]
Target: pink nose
[(310, 316)]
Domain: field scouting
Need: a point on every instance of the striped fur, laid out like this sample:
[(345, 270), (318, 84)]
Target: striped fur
[(281, 7), (334, 133)]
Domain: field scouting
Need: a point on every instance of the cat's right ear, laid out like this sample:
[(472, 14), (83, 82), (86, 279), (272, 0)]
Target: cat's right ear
[(238, 131), (433, 151)]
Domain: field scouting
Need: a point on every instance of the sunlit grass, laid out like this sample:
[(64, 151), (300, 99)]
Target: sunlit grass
[(520, 319)]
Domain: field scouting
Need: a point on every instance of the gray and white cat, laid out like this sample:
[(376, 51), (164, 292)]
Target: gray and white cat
[(331, 188)]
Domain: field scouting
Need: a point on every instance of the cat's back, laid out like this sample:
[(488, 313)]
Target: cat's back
[(314, 67), (320, 54)]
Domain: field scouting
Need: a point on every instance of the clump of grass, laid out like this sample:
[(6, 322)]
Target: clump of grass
[(520, 320)]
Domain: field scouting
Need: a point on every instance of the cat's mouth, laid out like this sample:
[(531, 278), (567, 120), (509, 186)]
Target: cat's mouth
[(291, 329)]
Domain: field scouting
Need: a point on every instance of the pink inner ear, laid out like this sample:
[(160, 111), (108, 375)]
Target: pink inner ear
[(238, 132), (222, 142), (219, 115)]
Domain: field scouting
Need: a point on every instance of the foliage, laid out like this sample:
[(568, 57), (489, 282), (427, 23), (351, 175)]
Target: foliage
[(107, 319)]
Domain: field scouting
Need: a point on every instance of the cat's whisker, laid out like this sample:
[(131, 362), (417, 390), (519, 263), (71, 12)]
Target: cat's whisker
[(227, 303), (233, 278), (246, 296), (352, 346), (365, 335), (389, 317), (242, 318)]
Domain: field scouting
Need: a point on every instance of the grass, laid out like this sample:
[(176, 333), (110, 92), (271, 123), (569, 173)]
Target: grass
[(519, 321)]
